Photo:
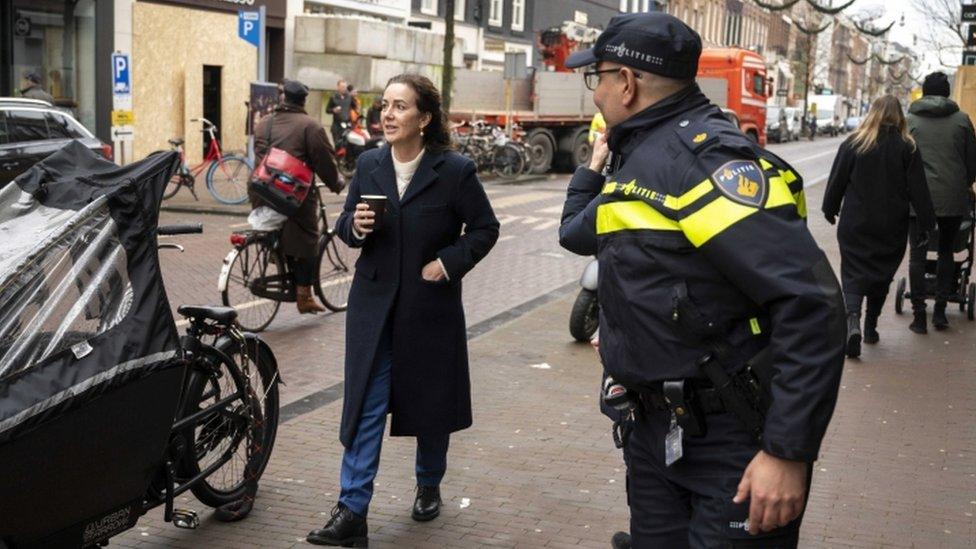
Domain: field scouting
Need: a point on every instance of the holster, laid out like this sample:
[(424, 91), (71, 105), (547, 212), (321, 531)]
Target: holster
[(745, 393)]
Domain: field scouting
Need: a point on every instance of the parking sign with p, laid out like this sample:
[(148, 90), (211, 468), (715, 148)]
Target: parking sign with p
[(121, 82)]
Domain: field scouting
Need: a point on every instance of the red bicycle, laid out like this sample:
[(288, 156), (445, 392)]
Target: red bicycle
[(227, 175)]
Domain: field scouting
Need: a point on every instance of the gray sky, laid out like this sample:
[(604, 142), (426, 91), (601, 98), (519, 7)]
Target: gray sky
[(914, 25)]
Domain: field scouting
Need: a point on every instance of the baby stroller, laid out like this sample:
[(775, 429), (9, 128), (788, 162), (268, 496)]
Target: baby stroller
[(963, 291)]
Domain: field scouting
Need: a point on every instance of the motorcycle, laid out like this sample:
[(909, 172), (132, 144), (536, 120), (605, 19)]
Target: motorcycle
[(584, 319), (354, 141)]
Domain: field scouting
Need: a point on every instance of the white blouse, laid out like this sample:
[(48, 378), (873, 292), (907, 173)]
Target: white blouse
[(405, 171)]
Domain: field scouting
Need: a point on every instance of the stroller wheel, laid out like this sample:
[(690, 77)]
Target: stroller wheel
[(900, 295), (971, 301)]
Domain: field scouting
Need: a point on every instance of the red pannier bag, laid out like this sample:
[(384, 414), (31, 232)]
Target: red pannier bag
[(282, 181)]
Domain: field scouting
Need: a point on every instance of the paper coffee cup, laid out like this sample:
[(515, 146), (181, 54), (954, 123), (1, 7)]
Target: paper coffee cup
[(377, 205)]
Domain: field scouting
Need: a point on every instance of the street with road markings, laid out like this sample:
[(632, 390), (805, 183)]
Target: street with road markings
[(538, 468)]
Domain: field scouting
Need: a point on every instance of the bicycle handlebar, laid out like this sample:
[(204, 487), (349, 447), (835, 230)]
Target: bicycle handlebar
[(171, 230), (207, 125)]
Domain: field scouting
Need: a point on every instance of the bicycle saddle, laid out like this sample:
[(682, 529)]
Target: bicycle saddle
[(223, 315), (176, 141)]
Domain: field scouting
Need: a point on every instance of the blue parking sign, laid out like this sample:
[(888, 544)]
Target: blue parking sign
[(121, 79), (248, 26)]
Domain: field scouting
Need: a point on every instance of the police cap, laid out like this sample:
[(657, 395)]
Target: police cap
[(654, 42)]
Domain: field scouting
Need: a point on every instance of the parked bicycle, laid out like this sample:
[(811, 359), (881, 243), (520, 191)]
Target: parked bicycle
[(108, 412), (255, 278), (226, 175), (492, 150)]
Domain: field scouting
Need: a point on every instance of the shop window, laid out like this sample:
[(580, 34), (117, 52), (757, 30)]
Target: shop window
[(54, 39), (26, 126)]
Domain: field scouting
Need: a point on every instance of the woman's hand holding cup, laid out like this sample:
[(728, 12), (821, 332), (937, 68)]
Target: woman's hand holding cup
[(362, 219)]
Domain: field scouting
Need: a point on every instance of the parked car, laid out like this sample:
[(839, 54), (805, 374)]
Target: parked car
[(776, 131), (852, 123), (30, 130)]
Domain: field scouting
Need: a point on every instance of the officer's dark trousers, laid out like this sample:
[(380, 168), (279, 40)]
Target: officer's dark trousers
[(945, 268), (689, 504)]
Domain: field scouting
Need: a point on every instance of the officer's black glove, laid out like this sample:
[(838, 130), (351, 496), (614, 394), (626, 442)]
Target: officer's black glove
[(832, 219)]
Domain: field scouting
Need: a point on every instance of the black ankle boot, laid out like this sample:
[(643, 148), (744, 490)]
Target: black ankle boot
[(871, 329), (344, 529), (853, 335), (939, 320), (427, 505), (919, 325)]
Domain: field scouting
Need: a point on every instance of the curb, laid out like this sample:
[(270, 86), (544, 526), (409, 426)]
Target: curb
[(205, 210)]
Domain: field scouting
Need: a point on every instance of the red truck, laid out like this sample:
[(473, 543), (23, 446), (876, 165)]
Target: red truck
[(735, 79)]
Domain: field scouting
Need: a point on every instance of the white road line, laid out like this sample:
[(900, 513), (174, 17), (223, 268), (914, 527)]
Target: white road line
[(811, 157), (547, 224), (816, 181), (519, 199), (550, 210), (239, 225), (506, 237)]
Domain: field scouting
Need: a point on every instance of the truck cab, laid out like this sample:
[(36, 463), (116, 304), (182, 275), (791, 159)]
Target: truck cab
[(735, 78)]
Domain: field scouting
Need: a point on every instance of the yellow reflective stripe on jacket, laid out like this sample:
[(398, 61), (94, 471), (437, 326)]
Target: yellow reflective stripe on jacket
[(715, 217), (801, 204), (685, 200), (674, 203), (631, 214), (779, 193)]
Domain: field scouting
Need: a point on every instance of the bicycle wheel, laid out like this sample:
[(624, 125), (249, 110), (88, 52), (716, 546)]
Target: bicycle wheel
[(227, 179), (336, 261), (508, 161), (228, 438), (264, 380), (253, 262)]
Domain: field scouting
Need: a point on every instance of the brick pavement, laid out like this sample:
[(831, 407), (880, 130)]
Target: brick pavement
[(538, 469)]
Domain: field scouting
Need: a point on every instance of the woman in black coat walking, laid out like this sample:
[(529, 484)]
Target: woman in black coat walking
[(878, 175), (406, 339)]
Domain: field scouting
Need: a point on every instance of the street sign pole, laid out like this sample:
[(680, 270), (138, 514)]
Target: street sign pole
[(262, 47)]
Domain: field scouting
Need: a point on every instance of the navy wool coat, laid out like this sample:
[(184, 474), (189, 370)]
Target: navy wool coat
[(430, 388)]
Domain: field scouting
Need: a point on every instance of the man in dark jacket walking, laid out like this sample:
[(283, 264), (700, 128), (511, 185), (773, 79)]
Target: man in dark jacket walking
[(945, 137), (289, 128)]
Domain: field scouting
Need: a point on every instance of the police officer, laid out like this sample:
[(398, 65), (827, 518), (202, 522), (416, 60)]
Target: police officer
[(719, 313)]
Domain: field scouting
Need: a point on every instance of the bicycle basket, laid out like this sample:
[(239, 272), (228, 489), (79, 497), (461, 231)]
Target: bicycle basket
[(89, 371)]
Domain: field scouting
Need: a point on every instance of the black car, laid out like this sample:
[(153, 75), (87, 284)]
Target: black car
[(30, 130)]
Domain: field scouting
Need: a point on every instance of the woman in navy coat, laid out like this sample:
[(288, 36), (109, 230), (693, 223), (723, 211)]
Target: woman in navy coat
[(406, 342)]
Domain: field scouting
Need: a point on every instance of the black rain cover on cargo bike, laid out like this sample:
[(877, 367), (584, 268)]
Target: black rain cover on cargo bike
[(82, 306)]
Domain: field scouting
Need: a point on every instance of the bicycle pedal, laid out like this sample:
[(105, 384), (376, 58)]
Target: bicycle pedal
[(186, 519)]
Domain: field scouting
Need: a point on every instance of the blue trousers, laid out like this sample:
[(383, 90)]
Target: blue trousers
[(361, 459)]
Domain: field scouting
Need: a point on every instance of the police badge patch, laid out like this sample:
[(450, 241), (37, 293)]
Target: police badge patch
[(742, 181)]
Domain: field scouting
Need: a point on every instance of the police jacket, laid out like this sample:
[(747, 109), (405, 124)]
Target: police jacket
[(694, 211)]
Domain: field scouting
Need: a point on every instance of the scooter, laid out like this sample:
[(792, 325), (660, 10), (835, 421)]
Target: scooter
[(355, 140), (584, 319)]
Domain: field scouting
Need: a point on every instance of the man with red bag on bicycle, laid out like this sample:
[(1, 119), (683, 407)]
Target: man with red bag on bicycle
[(292, 130)]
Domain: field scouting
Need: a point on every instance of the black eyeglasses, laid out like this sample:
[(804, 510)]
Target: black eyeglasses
[(592, 78)]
